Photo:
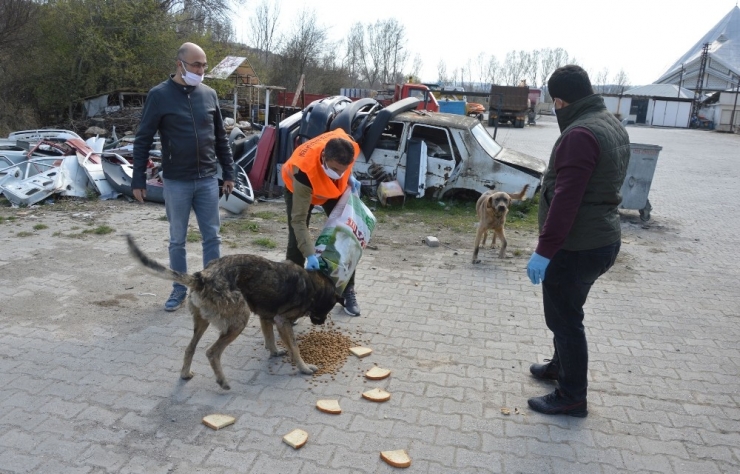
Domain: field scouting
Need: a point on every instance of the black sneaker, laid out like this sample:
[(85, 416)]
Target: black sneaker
[(349, 301), (556, 404), (548, 371), (176, 299)]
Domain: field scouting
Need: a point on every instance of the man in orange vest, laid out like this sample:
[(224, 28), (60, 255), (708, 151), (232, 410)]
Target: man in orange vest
[(317, 174)]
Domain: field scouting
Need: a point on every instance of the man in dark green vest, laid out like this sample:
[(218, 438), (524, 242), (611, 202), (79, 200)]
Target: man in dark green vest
[(580, 230)]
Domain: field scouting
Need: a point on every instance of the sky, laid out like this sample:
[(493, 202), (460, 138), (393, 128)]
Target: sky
[(642, 37)]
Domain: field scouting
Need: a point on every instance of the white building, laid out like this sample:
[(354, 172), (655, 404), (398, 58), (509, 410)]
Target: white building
[(660, 105), (721, 108)]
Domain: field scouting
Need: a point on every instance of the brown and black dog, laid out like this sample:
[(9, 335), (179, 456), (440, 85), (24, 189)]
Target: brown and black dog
[(492, 208), (230, 288)]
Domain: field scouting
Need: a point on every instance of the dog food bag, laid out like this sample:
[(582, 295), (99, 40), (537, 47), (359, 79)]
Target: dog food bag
[(344, 236)]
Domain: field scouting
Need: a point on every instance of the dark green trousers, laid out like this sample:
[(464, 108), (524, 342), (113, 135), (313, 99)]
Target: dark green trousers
[(293, 253)]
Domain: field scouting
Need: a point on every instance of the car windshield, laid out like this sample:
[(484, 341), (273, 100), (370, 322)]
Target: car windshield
[(486, 141)]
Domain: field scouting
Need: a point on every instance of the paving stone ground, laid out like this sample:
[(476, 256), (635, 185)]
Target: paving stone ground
[(87, 391)]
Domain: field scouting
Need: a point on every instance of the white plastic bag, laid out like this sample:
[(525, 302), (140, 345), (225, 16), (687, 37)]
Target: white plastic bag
[(345, 235)]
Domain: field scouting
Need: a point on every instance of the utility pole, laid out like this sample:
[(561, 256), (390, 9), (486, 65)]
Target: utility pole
[(700, 81), (734, 107)]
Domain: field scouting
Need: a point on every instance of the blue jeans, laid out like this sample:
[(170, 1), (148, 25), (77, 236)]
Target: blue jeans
[(568, 280), (200, 195)]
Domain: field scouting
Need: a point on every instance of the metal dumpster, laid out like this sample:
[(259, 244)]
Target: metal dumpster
[(640, 171)]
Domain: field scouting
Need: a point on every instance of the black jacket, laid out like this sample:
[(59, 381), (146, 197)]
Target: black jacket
[(192, 133)]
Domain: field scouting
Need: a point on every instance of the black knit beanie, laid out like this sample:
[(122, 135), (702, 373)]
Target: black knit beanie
[(569, 83)]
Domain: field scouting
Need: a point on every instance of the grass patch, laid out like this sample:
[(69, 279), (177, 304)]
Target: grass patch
[(193, 236), (40, 227), (99, 230), (266, 215), (453, 214), (523, 215), (163, 218), (265, 242), (57, 234), (7, 219), (240, 226), (24, 233)]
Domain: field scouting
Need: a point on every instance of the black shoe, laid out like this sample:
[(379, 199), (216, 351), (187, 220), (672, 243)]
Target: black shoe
[(349, 301), (555, 404), (548, 371)]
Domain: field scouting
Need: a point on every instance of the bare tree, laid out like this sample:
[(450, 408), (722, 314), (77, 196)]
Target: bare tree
[(442, 77), (263, 25), (386, 51), (466, 75), (534, 67), (453, 79), (601, 79), (416, 66), (198, 16), (354, 58), (15, 15), (302, 48), (199, 10), (494, 70), (551, 59), (481, 70), (621, 81), (514, 67)]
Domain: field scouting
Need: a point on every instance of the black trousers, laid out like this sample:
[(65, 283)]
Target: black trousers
[(293, 253), (568, 280)]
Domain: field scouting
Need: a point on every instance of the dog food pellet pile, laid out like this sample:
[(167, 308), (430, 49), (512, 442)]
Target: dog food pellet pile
[(327, 348)]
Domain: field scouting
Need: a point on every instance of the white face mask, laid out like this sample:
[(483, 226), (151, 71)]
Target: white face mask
[(330, 172), (191, 78)]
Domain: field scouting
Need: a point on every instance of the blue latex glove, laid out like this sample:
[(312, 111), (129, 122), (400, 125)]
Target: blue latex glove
[(312, 263), (536, 268), (355, 185)]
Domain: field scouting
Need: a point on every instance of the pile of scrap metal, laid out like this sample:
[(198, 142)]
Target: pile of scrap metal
[(412, 152), (37, 164)]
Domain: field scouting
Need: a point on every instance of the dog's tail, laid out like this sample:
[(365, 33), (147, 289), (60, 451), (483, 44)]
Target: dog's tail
[(157, 269), (521, 195)]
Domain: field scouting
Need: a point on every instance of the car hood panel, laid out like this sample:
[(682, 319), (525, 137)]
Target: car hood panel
[(521, 160)]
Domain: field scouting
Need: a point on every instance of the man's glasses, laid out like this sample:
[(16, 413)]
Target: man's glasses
[(196, 65)]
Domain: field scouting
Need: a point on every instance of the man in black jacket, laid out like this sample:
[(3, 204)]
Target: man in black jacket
[(187, 115), (580, 232)]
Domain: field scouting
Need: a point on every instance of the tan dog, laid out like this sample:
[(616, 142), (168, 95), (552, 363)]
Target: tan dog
[(492, 208), (232, 287)]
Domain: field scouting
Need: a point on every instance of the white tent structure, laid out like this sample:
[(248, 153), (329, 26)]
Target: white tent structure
[(721, 69)]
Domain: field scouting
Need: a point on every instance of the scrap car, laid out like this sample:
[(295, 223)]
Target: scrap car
[(428, 153)]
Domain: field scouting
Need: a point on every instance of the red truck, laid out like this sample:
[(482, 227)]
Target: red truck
[(407, 89)]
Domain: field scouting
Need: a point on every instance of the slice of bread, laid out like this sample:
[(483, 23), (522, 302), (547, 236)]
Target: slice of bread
[(397, 458), (329, 406), (217, 421), (376, 373), (377, 395), (361, 351), (296, 438)]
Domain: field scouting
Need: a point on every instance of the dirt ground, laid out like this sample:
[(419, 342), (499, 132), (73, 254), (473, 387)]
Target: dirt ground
[(74, 246)]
